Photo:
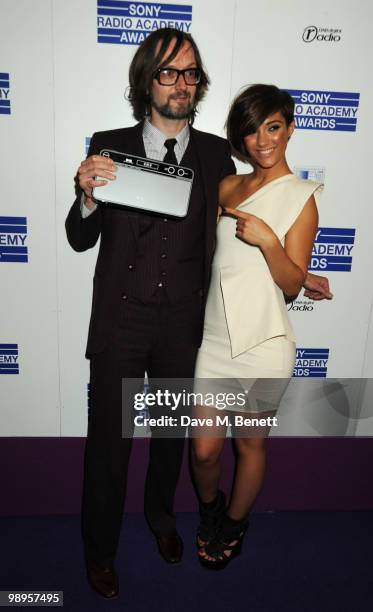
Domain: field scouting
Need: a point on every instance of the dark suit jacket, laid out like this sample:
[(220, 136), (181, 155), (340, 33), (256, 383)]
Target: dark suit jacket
[(119, 228)]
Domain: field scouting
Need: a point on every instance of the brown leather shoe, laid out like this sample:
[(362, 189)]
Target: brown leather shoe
[(170, 547), (103, 580)]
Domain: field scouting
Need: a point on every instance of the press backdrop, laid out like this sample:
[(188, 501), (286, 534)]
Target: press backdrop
[(63, 75)]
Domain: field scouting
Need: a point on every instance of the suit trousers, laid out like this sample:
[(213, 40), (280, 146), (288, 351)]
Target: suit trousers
[(162, 339)]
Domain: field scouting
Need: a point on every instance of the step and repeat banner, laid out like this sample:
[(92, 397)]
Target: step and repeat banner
[(63, 75)]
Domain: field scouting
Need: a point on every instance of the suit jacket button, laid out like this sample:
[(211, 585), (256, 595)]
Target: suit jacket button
[(124, 297), (130, 267)]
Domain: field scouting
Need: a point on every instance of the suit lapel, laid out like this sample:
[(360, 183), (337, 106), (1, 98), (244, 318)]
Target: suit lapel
[(207, 164), (134, 144)]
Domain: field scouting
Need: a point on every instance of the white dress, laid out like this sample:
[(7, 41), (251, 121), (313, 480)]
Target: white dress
[(248, 343)]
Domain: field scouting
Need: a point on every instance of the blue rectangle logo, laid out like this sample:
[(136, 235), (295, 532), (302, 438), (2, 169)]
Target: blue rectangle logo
[(87, 144), (9, 359), (5, 108), (13, 236), (121, 22), (325, 110), (311, 363), (310, 173), (332, 249)]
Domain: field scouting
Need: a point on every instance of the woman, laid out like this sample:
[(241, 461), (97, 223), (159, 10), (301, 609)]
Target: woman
[(264, 242)]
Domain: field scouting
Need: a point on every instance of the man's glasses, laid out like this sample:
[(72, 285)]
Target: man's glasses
[(169, 76)]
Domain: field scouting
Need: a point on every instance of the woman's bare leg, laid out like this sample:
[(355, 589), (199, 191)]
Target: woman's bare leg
[(250, 469), (207, 445)]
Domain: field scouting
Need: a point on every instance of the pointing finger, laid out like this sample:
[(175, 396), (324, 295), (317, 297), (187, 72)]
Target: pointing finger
[(235, 213)]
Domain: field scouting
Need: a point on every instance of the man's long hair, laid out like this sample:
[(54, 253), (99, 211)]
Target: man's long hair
[(149, 57)]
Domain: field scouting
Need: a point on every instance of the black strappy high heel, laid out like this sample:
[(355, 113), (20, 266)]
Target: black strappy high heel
[(211, 516), (217, 548)]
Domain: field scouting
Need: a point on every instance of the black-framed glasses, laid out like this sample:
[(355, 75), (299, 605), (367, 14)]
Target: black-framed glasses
[(169, 76)]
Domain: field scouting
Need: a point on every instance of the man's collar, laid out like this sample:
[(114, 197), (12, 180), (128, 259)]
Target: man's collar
[(157, 135)]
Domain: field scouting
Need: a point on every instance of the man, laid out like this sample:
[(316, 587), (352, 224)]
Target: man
[(150, 284)]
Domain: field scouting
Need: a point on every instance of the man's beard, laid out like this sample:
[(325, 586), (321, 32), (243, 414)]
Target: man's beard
[(170, 113)]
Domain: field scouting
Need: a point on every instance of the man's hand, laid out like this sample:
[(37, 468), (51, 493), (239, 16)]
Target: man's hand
[(317, 287), (92, 167)]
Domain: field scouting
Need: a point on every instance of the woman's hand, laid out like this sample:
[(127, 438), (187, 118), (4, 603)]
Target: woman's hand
[(288, 264), (252, 229), (317, 287)]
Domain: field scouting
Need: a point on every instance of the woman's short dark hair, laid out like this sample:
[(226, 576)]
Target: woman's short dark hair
[(148, 59), (250, 108)]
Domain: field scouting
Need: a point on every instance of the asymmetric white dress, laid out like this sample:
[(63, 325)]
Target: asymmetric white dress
[(248, 342)]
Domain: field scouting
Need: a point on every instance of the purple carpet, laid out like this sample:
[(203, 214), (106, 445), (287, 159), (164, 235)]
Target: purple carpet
[(291, 562)]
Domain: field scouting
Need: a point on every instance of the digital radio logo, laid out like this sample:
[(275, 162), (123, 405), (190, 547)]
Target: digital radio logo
[(9, 359), (325, 110), (4, 93), (311, 363), (310, 173), (13, 234), (87, 143), (311, 33), (128, 23), (332, 249), (301, 305)]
